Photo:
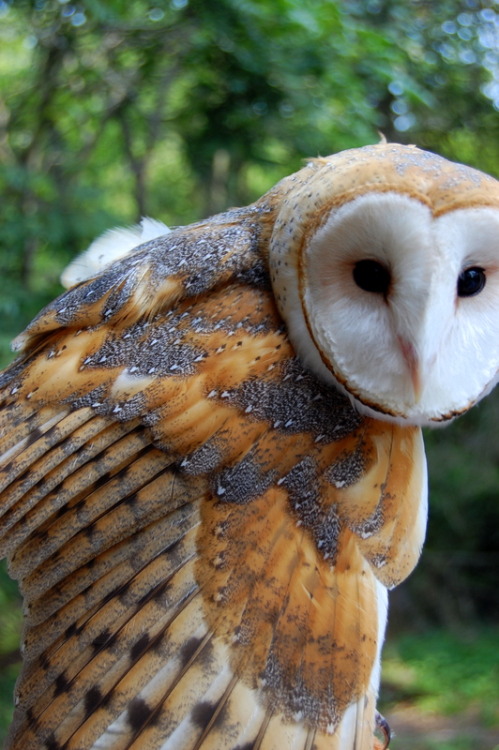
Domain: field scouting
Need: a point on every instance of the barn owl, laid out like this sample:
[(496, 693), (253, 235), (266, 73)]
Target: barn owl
[(212, 468)]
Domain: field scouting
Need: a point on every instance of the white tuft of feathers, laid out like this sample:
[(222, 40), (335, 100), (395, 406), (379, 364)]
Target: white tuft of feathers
[(110, 246)]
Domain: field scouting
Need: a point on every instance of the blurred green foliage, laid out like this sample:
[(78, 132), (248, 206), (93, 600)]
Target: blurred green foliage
[(114, 109), (443, 673), (431, 678), (10, 628)]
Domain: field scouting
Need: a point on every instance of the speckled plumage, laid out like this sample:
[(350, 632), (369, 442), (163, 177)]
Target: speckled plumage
[(202, 529)]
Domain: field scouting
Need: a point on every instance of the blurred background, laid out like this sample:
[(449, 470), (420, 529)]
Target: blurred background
[(112, 110)]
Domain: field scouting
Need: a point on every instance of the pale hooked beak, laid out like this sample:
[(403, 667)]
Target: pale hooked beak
[(412, 361)]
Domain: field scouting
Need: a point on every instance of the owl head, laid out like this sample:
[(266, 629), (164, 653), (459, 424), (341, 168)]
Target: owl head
[(385, 266)]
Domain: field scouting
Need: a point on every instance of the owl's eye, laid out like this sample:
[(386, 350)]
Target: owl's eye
[(371, 276), (471, 281)]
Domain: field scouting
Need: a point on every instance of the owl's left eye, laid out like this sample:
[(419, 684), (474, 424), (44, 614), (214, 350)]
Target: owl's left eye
[(471, 281), (371, 276)]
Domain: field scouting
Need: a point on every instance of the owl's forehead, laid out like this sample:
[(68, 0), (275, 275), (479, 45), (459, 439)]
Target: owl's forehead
[(440, 184), (394, 227)]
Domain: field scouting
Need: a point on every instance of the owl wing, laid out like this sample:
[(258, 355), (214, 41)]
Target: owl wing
[(202, 531)]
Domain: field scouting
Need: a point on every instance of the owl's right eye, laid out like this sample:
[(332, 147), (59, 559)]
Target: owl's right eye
[(471, 281), (372, 276)]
